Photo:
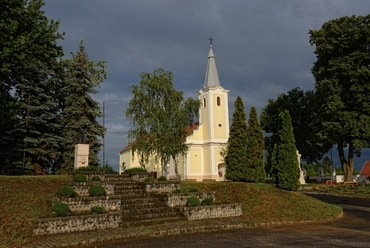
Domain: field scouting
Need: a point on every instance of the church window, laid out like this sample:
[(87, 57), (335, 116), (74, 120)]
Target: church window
[(219, 124), (204, 102), (218, 101)]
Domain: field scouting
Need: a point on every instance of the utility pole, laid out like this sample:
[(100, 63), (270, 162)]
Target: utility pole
[(104, 133)]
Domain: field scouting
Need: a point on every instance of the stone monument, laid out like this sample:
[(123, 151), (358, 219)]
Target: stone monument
[(301, 174), (81, 155)]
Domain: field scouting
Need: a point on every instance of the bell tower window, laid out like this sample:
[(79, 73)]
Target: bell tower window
[(204, 103), (218, 101)]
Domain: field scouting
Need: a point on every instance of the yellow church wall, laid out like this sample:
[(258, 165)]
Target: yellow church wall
[(206, 161), (195, 160), (205, 122), (196, 135), (219, 113)]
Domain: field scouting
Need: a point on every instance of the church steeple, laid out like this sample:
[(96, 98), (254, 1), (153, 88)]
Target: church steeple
[(211, 79)]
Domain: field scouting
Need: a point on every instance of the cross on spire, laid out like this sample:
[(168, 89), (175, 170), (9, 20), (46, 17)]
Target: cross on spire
[(210, 40)]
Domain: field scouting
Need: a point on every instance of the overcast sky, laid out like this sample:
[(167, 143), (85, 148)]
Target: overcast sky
[(261, 47)]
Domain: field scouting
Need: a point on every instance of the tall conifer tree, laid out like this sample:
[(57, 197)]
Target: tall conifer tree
[(255, 162), (28, 60), (236, 153), (285, 171), (80, 125)]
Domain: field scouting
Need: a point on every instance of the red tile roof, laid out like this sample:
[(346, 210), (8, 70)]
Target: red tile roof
[(366, 169)]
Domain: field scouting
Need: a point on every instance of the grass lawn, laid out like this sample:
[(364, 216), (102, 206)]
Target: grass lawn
[(361, 190), (24, 198)]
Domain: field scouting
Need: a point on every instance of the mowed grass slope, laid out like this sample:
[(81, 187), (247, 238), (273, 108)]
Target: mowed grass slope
[(26, 198), (23, 198), (265, 203)]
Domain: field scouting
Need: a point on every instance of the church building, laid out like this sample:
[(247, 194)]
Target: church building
[(206, 139)]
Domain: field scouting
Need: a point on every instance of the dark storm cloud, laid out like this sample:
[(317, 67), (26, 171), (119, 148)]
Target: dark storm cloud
[(262, 47)]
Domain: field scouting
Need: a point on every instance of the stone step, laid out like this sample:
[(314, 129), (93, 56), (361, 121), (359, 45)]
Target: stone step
[(142, 205), (128, 187), (147, 210), (148, 222), (130, 193), (149, 216), (139, 200)]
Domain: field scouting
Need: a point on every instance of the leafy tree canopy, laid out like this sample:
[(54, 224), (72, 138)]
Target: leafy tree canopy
[(342, 73), (160, 115)]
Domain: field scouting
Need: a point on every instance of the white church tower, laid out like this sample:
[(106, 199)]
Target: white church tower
[(204, 161)]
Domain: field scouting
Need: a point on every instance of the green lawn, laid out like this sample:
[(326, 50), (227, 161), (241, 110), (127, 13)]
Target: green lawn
[(24, 198)]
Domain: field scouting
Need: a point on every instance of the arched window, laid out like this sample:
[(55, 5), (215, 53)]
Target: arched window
[(204, 102), (218, 101)]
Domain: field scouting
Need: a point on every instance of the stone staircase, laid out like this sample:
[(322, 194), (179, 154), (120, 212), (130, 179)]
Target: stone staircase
[(139, 207)]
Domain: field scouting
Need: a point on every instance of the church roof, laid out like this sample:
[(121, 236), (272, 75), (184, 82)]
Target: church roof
[(366, 169), (211, 79)]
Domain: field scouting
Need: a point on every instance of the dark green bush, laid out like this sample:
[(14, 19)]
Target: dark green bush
[(97, 190), (66, 191), (177, 191), (162, 178), (79, 178), (107, 169), (135, 169), (61, 209), (207, 201), (149, 179), (193, 190), (97, 210), (88, 168), (193, 201), (95, 178)]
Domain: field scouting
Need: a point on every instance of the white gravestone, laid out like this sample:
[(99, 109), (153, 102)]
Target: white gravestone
[(81, 155), (301, 174)]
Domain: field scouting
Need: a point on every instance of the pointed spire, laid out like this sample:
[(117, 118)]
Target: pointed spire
[(211, 79)]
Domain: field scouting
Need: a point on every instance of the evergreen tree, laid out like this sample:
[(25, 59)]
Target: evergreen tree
[(80, 125), (255, 162), (28, 61), (236, 154), (38, 127), (285, 171)]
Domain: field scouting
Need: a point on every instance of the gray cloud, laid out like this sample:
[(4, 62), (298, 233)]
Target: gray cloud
[(262, 47)]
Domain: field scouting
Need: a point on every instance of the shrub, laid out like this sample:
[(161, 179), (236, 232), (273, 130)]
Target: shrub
[(162, 178), (149, 179), (66, 191), (97, 210), (207, 201), (193, 201), (177, 191), (193, 190), (97, 190), (88, 168), (95, 178), (136, 169), (61, 209), (79, 178)]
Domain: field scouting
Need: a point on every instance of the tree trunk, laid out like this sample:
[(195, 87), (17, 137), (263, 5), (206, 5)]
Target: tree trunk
[(347, 165)]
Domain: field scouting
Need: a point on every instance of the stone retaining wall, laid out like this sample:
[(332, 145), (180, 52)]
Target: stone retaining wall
[(110, 203), (180, 199), (161, 187), (82, 188), (77, 223), (212, 211)]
